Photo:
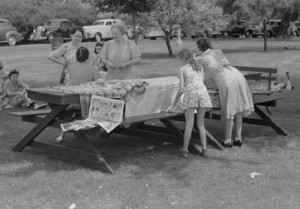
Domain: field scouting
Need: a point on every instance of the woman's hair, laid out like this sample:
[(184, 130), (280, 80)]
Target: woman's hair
[(187, 56), (98, 44), (82, 54), (14, 71), (75, 29), (203, 44), (120, 27)]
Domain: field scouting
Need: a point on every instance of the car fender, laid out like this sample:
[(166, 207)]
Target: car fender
[(14, 33)]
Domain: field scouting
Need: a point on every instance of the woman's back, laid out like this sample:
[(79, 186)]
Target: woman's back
[(81, 73)]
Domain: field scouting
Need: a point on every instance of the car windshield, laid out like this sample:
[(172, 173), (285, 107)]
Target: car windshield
[(99, 23), (55, 23), (4, 24)]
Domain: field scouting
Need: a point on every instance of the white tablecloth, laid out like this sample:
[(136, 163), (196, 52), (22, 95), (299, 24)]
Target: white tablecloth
[(158, 97)]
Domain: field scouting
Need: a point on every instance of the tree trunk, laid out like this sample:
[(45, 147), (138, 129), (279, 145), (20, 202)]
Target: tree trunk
[(265, 35), (169, 45), (133, 22)]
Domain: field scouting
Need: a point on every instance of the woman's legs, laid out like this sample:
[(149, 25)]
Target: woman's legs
[(201, 127), (238, 124), (228, 130), (238, 131), (189, 124)]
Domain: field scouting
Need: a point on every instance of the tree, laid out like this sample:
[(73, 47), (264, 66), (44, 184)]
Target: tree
[(131, 7), (288, 11), (188, 14), (259, 11)]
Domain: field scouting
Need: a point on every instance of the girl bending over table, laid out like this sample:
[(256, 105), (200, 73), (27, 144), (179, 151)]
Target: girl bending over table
[(195, 97)]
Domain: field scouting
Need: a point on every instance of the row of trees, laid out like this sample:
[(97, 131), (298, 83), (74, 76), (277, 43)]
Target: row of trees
[(190, 15)]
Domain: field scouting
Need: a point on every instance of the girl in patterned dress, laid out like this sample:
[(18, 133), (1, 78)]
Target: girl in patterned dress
[(195, 97)]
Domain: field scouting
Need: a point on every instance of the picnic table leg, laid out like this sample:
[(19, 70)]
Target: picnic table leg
[(174, 130), (274, 125), (27, 139), (85, 143)]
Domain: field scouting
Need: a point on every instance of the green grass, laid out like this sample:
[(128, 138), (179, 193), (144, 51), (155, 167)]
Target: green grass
[(158, 178)]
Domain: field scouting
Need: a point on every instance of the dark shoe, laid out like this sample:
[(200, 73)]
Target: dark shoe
[(227, 144), (238, 142), (203, 153), (184, 154)]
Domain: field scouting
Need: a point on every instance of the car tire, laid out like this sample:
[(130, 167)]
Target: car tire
[(225, 34), (98, 37), (269, 34), (141, 36), (248, 34), (50, 37), (12, 41)]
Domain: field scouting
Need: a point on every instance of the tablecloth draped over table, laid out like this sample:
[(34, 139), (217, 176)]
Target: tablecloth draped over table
[(159, 95), (117, 89)]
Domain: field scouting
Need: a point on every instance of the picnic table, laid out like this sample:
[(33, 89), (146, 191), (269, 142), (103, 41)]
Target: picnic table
[(132, 126)]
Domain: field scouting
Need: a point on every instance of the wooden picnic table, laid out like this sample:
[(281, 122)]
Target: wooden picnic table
[(132, 126)]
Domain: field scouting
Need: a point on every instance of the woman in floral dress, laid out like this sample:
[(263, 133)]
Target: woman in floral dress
[(66, 53)]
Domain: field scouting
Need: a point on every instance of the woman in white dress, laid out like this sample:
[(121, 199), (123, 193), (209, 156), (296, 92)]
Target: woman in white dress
[(234, 93)]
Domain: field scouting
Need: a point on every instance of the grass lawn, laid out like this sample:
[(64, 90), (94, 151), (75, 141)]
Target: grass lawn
[(149, 174)]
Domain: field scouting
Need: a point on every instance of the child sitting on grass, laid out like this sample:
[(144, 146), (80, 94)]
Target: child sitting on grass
[(15, 93)]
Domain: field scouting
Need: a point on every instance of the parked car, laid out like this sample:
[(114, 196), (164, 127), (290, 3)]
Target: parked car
[(8, 33), (271, 26), (59, 28), (154, 32), (295, 28), (237, 28), (100, 30), (139, 32)]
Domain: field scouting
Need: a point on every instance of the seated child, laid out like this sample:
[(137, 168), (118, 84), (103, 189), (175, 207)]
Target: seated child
[(14, 92)]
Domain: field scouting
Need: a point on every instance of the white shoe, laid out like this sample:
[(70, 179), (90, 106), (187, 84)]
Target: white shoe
[(39, 106)]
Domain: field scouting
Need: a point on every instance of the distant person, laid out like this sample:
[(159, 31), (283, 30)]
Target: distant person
[(15, 93), (195, 97), (234, 93), (66, 53), (120, 55), (3, 77), (96, 61)]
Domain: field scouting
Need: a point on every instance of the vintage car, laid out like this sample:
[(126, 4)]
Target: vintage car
[(271, 26), (8, 33), (100, 30), (237, 28), (56, 28)]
